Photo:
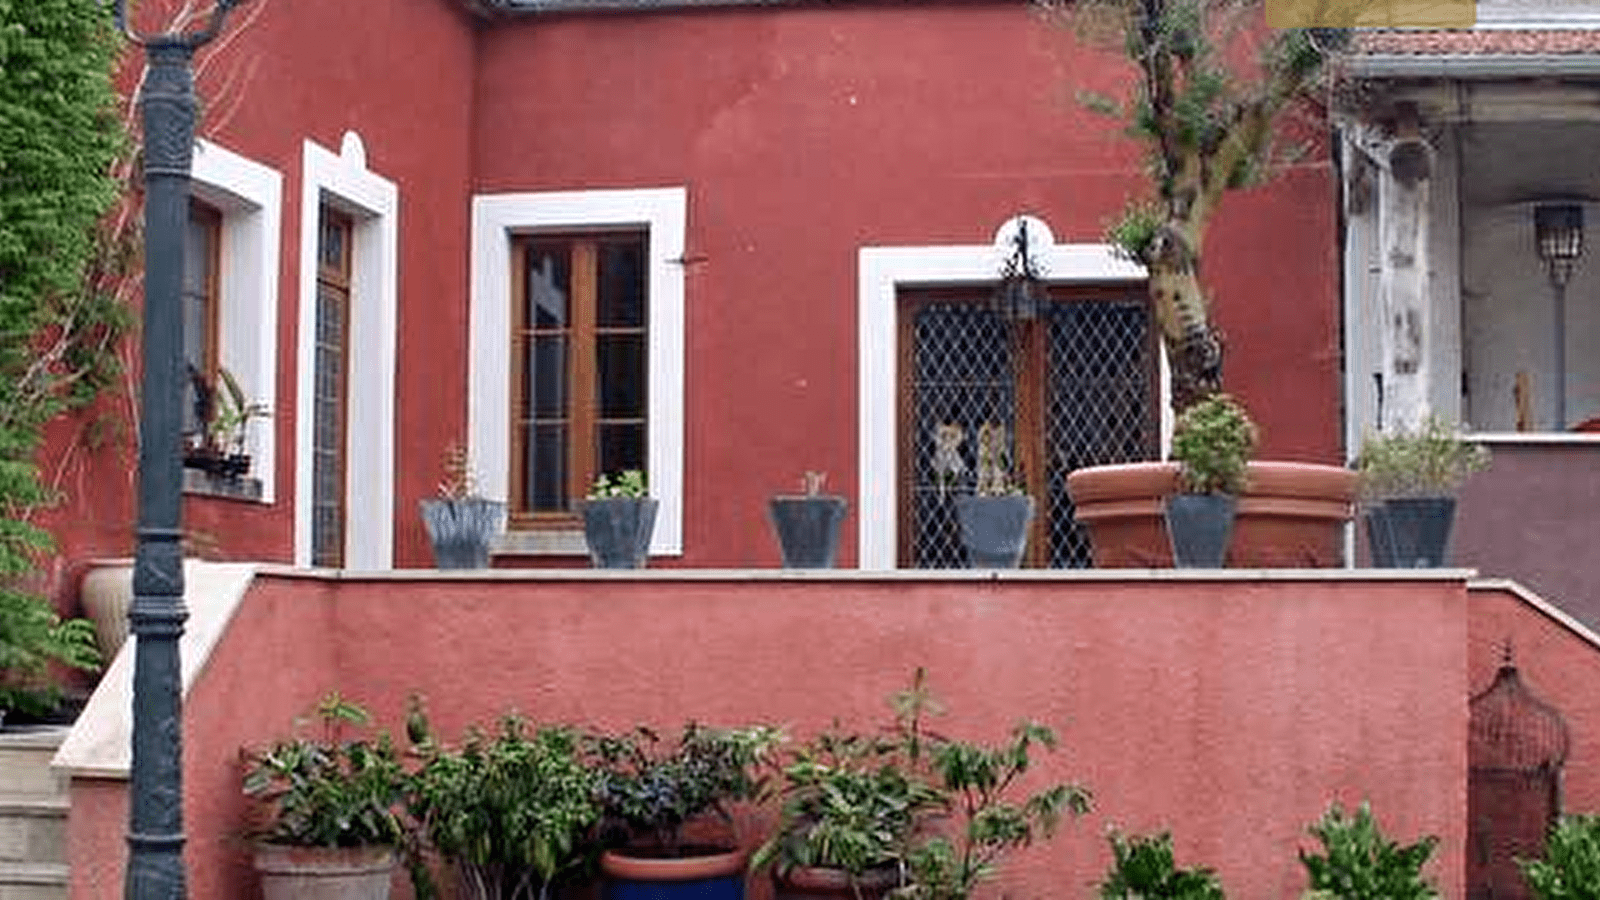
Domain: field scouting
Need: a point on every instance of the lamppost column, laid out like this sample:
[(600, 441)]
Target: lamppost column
[(155, 835)]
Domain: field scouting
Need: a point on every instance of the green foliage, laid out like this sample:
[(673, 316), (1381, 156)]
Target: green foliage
[(1359, 863), (979, 783), (649, 790), (1143, 868), (629, 483), (59, 139), (329, 791), (512, 809), (1213, 441), (1135, 232), (1431, 460), (850, 801), (1570, 869)]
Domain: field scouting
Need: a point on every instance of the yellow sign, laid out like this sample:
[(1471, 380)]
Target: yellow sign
[(1372, 13)]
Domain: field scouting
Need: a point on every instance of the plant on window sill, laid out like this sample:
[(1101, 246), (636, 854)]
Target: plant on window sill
[(224, 414)]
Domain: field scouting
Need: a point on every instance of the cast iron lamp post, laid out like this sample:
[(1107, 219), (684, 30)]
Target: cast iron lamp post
[(167, 113), (1558, 234)]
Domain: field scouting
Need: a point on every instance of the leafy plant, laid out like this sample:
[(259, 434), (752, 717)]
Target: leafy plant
[(629, 483), (513, 809), (1431, 460), (1358, 863), (32, 638), (649, 791), (978, 783), (1213, 441), (1205, 117), (1570, 869), (328, 791), (1143, 868), (850, 801)]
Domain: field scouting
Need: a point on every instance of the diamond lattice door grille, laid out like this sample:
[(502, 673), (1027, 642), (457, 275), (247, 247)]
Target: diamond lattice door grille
[(1091, 363)]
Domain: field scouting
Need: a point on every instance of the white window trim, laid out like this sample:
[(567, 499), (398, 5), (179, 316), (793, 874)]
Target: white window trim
[(344, 182), (883, 272), (250, 197), (496, 218)]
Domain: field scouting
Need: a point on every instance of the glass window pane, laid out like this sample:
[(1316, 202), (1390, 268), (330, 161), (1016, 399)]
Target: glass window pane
[(196, 252), (546, 474), (549, 283), (547, 371), (620, 361), (621, 283), (621, 447)]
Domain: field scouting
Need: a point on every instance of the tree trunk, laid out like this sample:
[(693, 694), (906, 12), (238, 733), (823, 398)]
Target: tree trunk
[(1194, 351)]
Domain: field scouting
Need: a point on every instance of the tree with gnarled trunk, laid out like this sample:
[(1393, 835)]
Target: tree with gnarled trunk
[(1206, 115)]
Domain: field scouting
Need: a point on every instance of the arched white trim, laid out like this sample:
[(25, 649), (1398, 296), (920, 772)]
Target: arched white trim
[(250, 197), (495, 218), (882, 272), (373, 201)]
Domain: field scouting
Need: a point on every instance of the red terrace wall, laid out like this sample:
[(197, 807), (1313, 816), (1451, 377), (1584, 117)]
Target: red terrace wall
[(803, 134), (398, 73), (1229, 710), (1557, 664)]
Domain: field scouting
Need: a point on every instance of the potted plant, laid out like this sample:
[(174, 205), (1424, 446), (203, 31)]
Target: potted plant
[(852, 805), (666, 810), (327, 809), (1409, 479), (995, 517), (808, 524), (1212, 443), (1143, 868), (512, 810), (223, 414), (461, 524), (618, 519)]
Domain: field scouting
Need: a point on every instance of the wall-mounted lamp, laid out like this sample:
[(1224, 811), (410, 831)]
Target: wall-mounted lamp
[(1021, 287), (1558, 236)]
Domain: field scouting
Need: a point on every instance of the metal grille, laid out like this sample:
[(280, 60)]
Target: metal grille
[(964, 371), (962, 377), (1099, 405)]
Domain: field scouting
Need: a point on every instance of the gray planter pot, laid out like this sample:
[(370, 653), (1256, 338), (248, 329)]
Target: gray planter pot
[(808, 529), (994, 529), (618, 530), (1411, 532), (1200, 527), (461, 530)]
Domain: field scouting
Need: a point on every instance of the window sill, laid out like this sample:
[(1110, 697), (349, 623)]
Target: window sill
[(1493, 438), (205, 484), (540, 542)]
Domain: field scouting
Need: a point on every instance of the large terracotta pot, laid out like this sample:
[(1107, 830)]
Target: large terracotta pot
[(1292, 515), (325, 873), (817, 883)]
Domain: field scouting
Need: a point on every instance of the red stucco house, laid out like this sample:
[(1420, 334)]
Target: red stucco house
[(730, 242)]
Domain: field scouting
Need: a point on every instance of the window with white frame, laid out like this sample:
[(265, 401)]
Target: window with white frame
[(577, 355), (231, 293)]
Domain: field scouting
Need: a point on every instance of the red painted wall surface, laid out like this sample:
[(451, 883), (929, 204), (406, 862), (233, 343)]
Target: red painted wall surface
[(397, 73), (804, 134), (1231, 711)]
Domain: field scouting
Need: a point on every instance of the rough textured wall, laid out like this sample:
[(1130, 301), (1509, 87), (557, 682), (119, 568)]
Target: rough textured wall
[(1231, 711)]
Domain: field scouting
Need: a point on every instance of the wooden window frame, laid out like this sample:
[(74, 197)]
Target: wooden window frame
[(1031, 398), (337, 277), (583, 332)]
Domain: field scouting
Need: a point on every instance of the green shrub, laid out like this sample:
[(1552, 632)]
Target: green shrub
[(1429, 461), (1359, 863), (1212, 442), (1143, 868), (1570, 869)]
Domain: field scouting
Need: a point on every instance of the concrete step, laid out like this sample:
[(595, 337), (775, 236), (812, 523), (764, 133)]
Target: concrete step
[(25, 755), (33, 881), (33, 828)]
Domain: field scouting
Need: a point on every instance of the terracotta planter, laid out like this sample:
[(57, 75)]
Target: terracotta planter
[(325, 873), (1292, 515), (816, 883), (710, 876)]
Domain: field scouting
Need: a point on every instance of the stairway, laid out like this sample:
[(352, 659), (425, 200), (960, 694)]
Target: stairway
[(33, 815)]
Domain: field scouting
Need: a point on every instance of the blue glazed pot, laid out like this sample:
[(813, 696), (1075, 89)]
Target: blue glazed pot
[(718, 876)]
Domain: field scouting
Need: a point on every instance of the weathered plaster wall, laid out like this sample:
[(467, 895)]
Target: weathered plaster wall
[(1229, 710), (803, 134)]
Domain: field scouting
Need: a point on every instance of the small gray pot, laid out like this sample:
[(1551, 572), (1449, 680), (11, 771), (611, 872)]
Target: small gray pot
[(461, 530), (994, 529), (1200, 527), (808, 529), (618, 530), (1411, 532)]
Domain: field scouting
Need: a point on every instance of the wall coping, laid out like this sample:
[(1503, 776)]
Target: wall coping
[(1539, 604)]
